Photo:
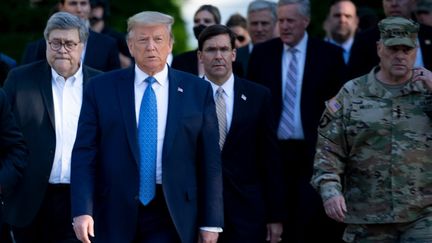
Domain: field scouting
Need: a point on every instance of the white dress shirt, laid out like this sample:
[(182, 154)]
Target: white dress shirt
[(160, 88), (162, 92), (67, 99), (228, 96), (301, 58)]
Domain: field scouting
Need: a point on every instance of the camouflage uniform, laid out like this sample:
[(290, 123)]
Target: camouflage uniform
[(375, 148)]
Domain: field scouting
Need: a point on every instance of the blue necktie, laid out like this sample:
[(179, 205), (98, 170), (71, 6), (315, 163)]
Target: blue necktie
[(147, 141), (286, 124)]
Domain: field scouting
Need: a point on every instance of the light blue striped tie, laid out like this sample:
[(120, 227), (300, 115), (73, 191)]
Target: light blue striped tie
[(147, 141), (286, 124)]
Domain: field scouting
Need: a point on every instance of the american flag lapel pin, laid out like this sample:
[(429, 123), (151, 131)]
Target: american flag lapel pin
[(243, 97), (179, 89)]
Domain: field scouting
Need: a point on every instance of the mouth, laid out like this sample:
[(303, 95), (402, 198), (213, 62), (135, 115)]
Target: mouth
[(218, 66)]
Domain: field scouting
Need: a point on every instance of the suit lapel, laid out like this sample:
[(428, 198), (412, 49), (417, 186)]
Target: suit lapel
[(240, 98), (126, 96), (46, 91), (175, 95)]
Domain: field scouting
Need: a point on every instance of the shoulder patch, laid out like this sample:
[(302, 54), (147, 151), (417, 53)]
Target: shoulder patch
[(333, 105), (325, 120)]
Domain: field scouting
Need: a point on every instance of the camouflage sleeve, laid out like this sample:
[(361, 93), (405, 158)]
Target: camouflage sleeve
[(331, 150)]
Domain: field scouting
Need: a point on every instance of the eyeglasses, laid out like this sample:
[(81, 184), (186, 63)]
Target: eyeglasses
[(57, 45), (240, 38)]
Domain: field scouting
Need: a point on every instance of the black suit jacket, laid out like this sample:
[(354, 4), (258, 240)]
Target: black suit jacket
[(101, 52), (364, 50), (29, 90), (188, 62), (324, 72), (252, 169), (13, 152), (242, 57)]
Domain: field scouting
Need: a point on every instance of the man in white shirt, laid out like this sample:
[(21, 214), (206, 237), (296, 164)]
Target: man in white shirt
[(46, 98)]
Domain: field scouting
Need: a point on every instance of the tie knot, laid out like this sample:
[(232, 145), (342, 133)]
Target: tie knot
[(150, 80), (293, 50), (219, 91)]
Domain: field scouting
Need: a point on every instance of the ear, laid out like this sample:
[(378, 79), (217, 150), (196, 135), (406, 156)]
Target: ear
[(199, 55), (234, 54)]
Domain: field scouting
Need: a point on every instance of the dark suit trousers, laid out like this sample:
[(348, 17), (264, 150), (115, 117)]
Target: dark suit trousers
[(154, 222), (306, 220), (53, 223)]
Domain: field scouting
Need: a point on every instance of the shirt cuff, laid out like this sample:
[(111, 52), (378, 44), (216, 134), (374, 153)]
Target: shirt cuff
[(330, 189), (212, 229)]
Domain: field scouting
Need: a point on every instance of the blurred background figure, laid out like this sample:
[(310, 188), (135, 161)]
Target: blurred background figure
[(368, 18), (98, 23), (100, 51), (341, 25), (206, 15), (261, 19), (423, 12), (238, 24)]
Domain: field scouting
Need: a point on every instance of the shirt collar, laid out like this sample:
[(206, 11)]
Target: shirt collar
[(301, 46), (228, 86), (346, 45), (78, 75), (161, 77)]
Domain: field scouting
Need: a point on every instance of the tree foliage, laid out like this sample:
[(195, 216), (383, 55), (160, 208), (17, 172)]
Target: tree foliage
[(23, 22)]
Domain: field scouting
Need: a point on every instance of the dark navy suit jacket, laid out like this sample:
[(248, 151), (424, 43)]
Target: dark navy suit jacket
[(105, 159), (252, 169)]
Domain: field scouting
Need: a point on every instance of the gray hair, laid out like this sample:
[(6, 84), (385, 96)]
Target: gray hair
[(66, 21), (259, 5), (304, 6), (149, 18)]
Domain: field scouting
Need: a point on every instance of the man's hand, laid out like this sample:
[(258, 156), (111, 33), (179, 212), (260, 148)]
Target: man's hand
[(423, 75), (83, 227), (208, 237), (335, 208), (274, 232)]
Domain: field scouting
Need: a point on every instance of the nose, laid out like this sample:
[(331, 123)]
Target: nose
[(150, 45)]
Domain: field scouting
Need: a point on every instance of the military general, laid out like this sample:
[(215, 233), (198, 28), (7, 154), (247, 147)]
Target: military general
[(373, 166)]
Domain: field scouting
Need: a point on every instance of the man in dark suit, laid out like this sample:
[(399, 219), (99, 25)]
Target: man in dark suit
[(146, 163), (364, 50), (252, 173), (292, 66), (261, 19), (100, 51), (13, 158), (46, 99)]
